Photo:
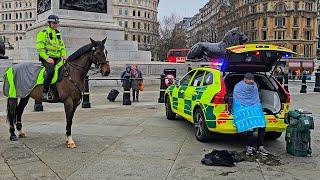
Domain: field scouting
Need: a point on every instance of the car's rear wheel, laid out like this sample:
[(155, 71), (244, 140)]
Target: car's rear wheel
[(272, 135), (169, 113), (201, 130)]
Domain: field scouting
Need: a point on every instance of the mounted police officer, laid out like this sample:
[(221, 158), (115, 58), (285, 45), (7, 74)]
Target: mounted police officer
[(51, 49)]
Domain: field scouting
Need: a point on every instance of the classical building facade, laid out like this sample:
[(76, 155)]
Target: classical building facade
[(16, 16), (139, 20), (290, 23)]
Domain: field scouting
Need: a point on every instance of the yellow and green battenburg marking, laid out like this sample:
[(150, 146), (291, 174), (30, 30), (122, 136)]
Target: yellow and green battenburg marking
[(40, 79)]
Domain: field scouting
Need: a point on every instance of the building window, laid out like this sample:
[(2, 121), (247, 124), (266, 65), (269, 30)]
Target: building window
[(308, 6), (280, 21), (308, 50), (280, 7), (126, 37), (134, 25), (139, 13), (17, 38), (17, 27), (295, 21), (126, 24), (296, 5), (279, 35), (20, 15), (126, 12), (145, 39), (120, 11), (139, 25), (264, 35), (139, 38), (254, 9), (295, 34), (134, 13), (253, 36), (26, 26), (30, 15), (307, 35), (308, 21), (294, 48), (145, 26), (120, 23), (20, 26), (10, 16), (20, 37), (265, 24), (252, 24), (133, 37), (145, 14), (265, 7)]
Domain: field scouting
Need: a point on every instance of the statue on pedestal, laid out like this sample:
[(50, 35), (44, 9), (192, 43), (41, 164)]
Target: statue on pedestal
[(2, 50), (99, 6)]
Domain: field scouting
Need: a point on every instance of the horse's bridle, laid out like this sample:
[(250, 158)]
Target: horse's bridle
[(83, 69)]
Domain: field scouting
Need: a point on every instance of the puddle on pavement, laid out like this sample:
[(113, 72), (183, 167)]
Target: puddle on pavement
[(269, 160)]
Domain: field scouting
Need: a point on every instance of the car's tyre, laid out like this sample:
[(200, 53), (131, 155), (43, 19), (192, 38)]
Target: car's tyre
[(169, 113), (201, 130), (272, 135)]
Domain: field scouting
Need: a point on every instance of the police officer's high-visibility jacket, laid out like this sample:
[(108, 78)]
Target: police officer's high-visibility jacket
[(50, 44)]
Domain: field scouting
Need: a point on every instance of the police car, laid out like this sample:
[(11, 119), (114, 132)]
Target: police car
[(204, 95)]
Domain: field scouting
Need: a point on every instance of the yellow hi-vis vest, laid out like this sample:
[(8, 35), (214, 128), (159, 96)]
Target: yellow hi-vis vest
[(50, 44)]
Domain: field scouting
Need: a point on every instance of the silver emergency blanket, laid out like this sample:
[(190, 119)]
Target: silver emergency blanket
[(25, 78)]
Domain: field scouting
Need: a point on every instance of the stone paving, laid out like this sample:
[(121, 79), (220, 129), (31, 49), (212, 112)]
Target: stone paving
[(137, 142)]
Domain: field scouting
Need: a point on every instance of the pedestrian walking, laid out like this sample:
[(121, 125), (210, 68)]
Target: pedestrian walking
[(137, 82)]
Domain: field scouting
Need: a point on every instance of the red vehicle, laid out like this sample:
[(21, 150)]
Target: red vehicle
[(177, 55)]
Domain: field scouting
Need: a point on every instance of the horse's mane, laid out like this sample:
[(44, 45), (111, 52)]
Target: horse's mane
[(84, 49)]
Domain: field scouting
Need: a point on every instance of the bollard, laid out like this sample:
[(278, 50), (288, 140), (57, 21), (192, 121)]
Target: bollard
[(286, 82), (126, 91), (38, 106), (304, 84), (86, 98), (162, 88), (317, 83)]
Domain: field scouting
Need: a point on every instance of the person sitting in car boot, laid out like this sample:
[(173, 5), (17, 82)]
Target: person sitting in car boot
[(248, 113)]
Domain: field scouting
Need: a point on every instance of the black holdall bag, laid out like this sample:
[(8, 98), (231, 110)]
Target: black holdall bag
[(113, 95)]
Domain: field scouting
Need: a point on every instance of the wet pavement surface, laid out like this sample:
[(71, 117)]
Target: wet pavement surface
[(138, 142)]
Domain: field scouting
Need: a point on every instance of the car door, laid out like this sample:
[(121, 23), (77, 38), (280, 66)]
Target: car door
[(191, 94), (183, 86)]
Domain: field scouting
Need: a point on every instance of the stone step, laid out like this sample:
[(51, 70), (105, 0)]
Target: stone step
[(30, 54)]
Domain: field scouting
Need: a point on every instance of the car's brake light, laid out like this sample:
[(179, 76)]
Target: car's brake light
[(171, 59), (219, 98)]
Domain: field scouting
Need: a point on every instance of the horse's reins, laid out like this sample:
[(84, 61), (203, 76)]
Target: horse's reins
[(81, 69)]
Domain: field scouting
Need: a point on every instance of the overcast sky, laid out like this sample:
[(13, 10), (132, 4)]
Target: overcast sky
[(182, 8)]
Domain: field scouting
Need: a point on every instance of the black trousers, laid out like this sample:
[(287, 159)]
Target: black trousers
[(135, 94), (49, 72), (260, 140)]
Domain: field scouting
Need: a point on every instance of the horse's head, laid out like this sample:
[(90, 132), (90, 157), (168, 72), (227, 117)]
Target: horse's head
[(100, 56), (235, 37)]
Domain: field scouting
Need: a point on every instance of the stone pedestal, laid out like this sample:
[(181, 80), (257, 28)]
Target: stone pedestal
[(77, 26)]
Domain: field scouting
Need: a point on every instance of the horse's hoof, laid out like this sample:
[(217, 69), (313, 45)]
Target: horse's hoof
[(13, 138), (22, 135), (71, 145)]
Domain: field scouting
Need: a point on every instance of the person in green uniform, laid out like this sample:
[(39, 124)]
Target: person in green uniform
[(51, 49)]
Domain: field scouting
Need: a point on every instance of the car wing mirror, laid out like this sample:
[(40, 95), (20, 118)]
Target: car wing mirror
[(177, 82)]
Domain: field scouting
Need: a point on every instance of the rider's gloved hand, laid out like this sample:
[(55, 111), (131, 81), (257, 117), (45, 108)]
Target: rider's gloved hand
[(64, 58), (50, 60)]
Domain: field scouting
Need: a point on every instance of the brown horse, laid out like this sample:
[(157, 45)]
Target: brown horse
[(70, 88)]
